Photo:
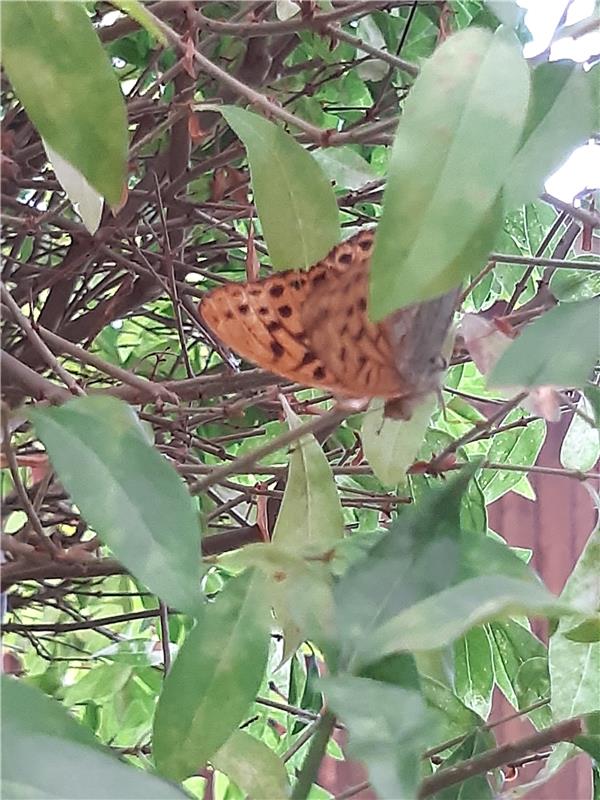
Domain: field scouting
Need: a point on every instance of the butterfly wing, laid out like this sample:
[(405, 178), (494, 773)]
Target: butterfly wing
[(355, 351), (262, 322)]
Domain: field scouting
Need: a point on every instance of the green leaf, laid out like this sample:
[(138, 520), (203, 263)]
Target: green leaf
[(64, 79), (586, 631), (521, 667), (138, 12), (87, 201), (26, 711), (580, 449), (592, 394), (310, 518), (453, 716), (574, 665), (295, 202), (388, 729), (127, 492), (507, 11), (214, 678), (474, 671), (346, 167), (560, 117), (253, 766), (568, 285), (391, 445), (299, 590), (433, 204), (590, 741), (65, 770), (519, 447), (560, 348), (104, 680), (419, 556), (440, 619)]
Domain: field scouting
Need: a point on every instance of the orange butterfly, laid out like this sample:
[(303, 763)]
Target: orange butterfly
[(312, 327)]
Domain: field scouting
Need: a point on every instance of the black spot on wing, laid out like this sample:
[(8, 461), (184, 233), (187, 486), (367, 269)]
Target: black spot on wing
[(277, 349)]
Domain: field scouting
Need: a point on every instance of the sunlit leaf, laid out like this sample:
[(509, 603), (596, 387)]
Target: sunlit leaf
[(127, 492), (64, 79), (295, 202), (434, 204), (214, 678), (559, 348)]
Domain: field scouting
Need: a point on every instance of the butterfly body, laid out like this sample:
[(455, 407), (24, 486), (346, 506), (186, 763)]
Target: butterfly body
[(312, 327)]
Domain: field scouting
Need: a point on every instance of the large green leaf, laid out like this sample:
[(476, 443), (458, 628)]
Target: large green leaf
[(560, 348), (295, 202), (64, 79), (26, 710), (443, 617), (458, 134), (560, 117), (40, 767), (388, 726), (127, 492), (214, 678), (253, 766), (420, 555)]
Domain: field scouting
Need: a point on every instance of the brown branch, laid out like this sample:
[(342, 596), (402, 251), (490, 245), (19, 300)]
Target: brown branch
[(17, 375), (492, 759), (591, 218), (37, 342), (26, 503)]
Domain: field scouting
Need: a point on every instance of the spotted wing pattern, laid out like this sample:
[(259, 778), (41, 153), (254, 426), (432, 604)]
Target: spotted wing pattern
[(311, 327)]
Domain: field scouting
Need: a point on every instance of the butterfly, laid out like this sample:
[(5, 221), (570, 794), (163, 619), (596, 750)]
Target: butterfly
[(312, 327)]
